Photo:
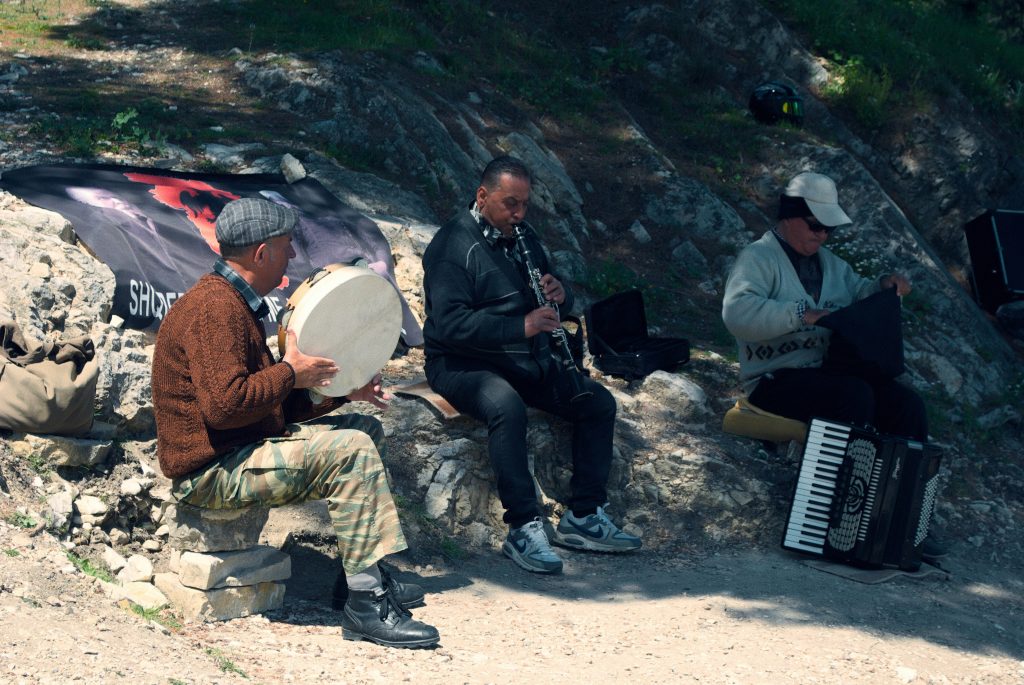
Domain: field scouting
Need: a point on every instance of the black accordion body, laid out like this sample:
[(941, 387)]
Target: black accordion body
[(863, 498)]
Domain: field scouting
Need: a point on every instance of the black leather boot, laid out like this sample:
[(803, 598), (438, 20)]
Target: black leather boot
[(375, 615), (409, 595)]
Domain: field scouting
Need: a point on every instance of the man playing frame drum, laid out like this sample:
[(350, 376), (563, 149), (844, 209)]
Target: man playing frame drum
[(225, 411)]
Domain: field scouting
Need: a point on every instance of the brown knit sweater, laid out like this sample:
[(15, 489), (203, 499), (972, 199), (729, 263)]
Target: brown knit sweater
[(216, 385)]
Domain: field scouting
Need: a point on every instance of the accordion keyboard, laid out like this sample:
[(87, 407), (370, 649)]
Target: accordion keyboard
[(824, 452)]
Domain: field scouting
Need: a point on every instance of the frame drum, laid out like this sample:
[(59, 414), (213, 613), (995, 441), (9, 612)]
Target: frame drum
[(349, 314)]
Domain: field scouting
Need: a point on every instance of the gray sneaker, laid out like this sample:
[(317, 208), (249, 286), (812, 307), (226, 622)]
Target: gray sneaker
[(528, 546), (595, 532)]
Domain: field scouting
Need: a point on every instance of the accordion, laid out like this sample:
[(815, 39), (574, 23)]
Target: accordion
[(862, 498)]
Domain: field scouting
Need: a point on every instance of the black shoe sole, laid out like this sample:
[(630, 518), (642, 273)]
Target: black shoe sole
[(932, 558), (408, 644)]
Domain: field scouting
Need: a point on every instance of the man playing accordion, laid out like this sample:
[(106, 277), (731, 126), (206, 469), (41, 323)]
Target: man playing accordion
[(780, 287)]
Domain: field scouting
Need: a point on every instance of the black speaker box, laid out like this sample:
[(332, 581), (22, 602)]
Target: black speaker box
[(995, 241)]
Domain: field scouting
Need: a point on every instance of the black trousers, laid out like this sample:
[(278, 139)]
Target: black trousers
[(480, 390), (803, 394)]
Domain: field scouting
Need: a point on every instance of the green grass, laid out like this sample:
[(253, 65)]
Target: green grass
[(90, 569), (12, 552), (609, 276), (159, 615), (885, 49), (321, 25), (37, 463), (223, 663), (19, 520), (445, 544), (94, 122)]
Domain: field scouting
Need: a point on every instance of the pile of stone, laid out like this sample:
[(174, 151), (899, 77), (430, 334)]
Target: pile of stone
[(218, 571), (134, 580)]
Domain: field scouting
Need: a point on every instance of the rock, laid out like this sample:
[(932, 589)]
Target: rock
[(61, 508), (689, 260), (220, 604), (114, 561), (999, 417), (123, 392), (213, 530), (62, 451), (230, 155), (137, 569), (90, 510), (677, 394), (131, 487), (119, 537), (688, 204), (1011, 316), (101, 430), (76, 289), (639, 233), (231, 569), (292, 168), (438, 499), (146, 595), (359, 106), (152, 545)]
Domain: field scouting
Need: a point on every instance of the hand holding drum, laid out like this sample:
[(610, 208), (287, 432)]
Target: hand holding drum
[(310, 372), (340, 327)]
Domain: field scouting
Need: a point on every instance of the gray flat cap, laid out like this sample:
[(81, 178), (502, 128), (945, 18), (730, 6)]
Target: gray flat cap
[(252, 220)]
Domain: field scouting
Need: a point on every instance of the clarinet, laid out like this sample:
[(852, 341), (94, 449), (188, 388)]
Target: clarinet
[(570, 372)]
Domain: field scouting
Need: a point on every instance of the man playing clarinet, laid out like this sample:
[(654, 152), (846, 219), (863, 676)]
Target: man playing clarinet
[(493, 348)]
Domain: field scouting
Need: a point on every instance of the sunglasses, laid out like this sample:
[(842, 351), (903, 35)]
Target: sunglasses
[(817, 226)]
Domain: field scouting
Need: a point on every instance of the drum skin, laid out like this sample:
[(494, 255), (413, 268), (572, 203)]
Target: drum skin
[(349, 314)]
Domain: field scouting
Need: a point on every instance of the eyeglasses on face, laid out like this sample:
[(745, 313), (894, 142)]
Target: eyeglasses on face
[(817, 226)]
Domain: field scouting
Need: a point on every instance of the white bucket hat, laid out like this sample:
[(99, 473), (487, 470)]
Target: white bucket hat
[(819, 192)]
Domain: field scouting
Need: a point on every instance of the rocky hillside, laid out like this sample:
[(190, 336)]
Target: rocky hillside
[(632, 189)]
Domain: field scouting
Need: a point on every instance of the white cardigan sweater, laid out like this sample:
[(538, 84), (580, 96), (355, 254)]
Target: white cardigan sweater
[(761, 306)]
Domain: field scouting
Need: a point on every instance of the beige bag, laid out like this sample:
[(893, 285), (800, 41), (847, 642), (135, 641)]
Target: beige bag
[(48, 389)]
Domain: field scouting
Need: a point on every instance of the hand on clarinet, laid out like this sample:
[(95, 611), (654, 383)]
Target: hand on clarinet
[(553, 290), (898, 281), (373, 392), (310, 372), (541, 320)]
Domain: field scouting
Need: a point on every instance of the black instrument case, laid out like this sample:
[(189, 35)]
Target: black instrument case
[(619, 343)]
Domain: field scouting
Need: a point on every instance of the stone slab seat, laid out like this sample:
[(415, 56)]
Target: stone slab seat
[(750, 421), (194, 529), (218, 569)]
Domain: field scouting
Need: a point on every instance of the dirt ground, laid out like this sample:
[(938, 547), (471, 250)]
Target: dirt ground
[(750, 616), (757, 615)]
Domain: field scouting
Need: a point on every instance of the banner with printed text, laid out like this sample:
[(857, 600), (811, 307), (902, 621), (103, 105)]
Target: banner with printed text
[(155, 229)]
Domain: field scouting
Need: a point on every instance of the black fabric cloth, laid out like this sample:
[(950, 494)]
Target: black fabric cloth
[(480, 390), (803, 394), (479, 358), (855, 383), (867, 338)]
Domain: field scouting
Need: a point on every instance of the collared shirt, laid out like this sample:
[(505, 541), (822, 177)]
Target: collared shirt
[(808, 268), (252, 298), (494, 238)]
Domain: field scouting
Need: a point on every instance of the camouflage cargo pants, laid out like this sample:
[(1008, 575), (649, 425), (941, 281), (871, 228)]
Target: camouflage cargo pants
[(336, 458)]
